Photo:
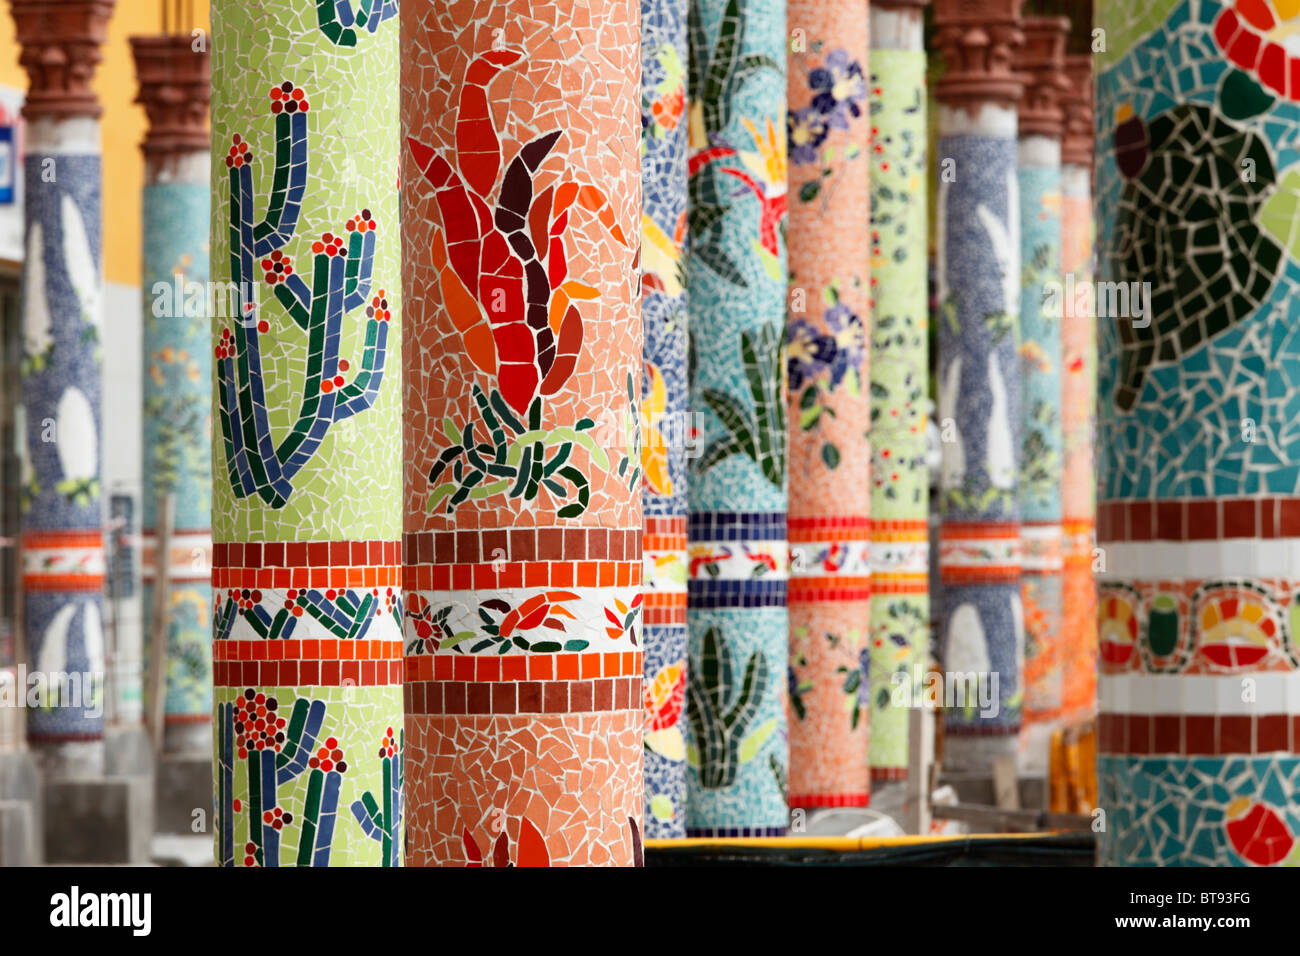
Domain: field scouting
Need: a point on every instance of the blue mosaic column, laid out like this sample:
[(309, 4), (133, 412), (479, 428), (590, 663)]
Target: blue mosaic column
[(978, 251), (177, 369), (1042, 124), (664, 57), (62, 526), (737, 751), (1198, 452)]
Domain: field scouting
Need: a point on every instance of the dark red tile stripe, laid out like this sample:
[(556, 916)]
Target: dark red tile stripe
[(306, 554), (498, 698), (1192, 735), (522, 544), (306, 673), (1198, 519)]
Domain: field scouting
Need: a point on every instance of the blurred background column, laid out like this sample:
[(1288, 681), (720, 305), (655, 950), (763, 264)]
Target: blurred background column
[(979, 285), (176, 384), (900, 379), (1042, 124), (63, 562)]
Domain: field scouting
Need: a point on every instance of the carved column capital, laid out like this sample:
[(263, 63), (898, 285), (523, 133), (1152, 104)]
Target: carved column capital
[(175, 92), (61, 47), (1076, 147), (978, 39), (1042, 61)]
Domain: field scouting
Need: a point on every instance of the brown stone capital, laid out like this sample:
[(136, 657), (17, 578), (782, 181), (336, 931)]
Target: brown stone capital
[(175, 92), (1042, 61), (1076, 147), (61, 42), (978, 39)]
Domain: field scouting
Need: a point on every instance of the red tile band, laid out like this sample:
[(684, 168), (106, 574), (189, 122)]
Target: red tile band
[(829, 800), (307, 649), (63, 582), (1199, 519), (514, 574), (1209, 735), (885, 774), (307, 673), (520, 667), (522, 545), (900, 583), (522, 697), (279, 565), (837, 527), (829, 588)]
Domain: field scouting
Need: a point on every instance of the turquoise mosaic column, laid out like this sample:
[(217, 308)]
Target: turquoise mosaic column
[(979, 282), (664, 57), (737, 749), (177, 374), (62, 523), (900, 320), (1042, 124), (1198, 305), (306, 437)]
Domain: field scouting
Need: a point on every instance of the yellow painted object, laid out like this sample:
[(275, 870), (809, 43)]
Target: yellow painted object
[(1072, 769)]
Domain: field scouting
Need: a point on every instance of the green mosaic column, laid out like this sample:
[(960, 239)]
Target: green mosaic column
[(306, 504), (900, 481)]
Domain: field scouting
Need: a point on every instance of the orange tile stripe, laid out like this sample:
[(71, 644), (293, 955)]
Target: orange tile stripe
[(62, 539), (663, 599), (306, 649), (900, 583), (63, 582), (909, 527), (516, 667), (266, 579), (520, 574), (989, 573), (1001, 529), (799, 530), (664, 542)]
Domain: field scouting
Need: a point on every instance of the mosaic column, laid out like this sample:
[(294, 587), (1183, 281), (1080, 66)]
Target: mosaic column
[(307, 485), (177, 367), (900, 299), (62, 522), (738, 753), (1078, 401), (524, 654), (1042, 124), (829, 405), (1197, 193), (664, 57), (979, 284)]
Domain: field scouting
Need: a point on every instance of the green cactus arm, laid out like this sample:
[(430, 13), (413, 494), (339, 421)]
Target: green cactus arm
[(715, 99), (707, 734), (287, 188), (750, 698), (310, 818)]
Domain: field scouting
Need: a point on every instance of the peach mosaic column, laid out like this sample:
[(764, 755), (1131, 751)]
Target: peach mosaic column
[(829, 415), (1078, 400), (522, 202), (306, 496)]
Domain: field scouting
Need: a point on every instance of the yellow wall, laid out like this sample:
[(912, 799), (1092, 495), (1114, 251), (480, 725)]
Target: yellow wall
[(123, 125)]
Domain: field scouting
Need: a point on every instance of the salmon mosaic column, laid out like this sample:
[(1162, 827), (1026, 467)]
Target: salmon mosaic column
[(177, 363), (978, 267), (664, 57), (525, 631), (738, 750), (829, 408), (306, 498), (1042, 124), (1199, 515), (61, 501), (900, 312), (1078, 401)]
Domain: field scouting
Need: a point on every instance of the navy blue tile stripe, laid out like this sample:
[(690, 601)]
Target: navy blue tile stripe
[(752, 592), (730, 833), (736, 526)]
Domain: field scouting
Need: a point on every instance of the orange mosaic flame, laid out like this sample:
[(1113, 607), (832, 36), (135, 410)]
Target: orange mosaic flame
[(536, 610)]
